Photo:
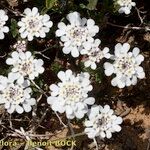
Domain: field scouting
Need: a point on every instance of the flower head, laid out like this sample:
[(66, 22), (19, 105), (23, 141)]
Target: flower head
[(126, 66), (15, 96), (71, 94), (77, 33), (34, 24), (3, 28), (102, 122), (20, 46), (125, 6), (24, 66), (94, 54)]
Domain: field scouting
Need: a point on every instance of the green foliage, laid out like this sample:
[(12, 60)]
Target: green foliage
[(13, 28), (50, 3), (91, 5), (95, 74), (56, 67)]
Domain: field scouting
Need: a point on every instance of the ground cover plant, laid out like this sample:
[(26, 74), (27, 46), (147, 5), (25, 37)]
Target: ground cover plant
[(74, 72)]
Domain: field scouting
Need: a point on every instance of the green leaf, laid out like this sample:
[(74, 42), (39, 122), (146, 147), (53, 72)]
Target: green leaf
[(56, 67), (50, 3), (92, 4), (13, 28)]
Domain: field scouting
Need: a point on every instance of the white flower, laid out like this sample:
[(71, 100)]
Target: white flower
[(125, 6), (24, 65), (102, 122), (94, 54), (20, 46), (71, 94), (3, 28), (34, 24), (14, 96), (75, 34), (126, 66)]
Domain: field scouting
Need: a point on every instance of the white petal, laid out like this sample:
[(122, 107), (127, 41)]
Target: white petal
[(31, 101), (5, 29), (75, 52), (87, 45), (19, 109), (94, 111), (120, 83), (117, 128), (68, 74), (1, 35), (11, 109), (88, 123), (87, 63), (108, 134), (141, 75), (66, 50), (60, 33), (46, 17), (134, 80), (118, 120), (136, 51), (93, 66), (20, 80), (90, 101), (114, 82), (10, 61), (27, 11), (69, 110), (51, 100), (118, 48), (61, 75), (62, 26), (128, 82), (27, 107), (90, 23), (79, 114), (24, 34), (139, 59), (54, 87), (105, 109), (74, 18), (126, 47), (102, 134), (13, 76), (109, 69), (28, 54), (34, 11), (57, 106), (7, 105)]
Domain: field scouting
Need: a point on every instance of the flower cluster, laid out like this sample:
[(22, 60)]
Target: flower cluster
[(3, 28), (24, 66), (125, 6), (20, 46), (102, 122), (71, 94), (78, 33), (15, 96), (15, 91), (94, 54), (126, 66), (34, 24)]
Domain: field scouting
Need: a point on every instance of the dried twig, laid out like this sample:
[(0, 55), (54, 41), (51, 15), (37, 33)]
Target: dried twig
[(16, 13), (48, 108), (72, 132), (129, 27), (95, 143), (40, 53)]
